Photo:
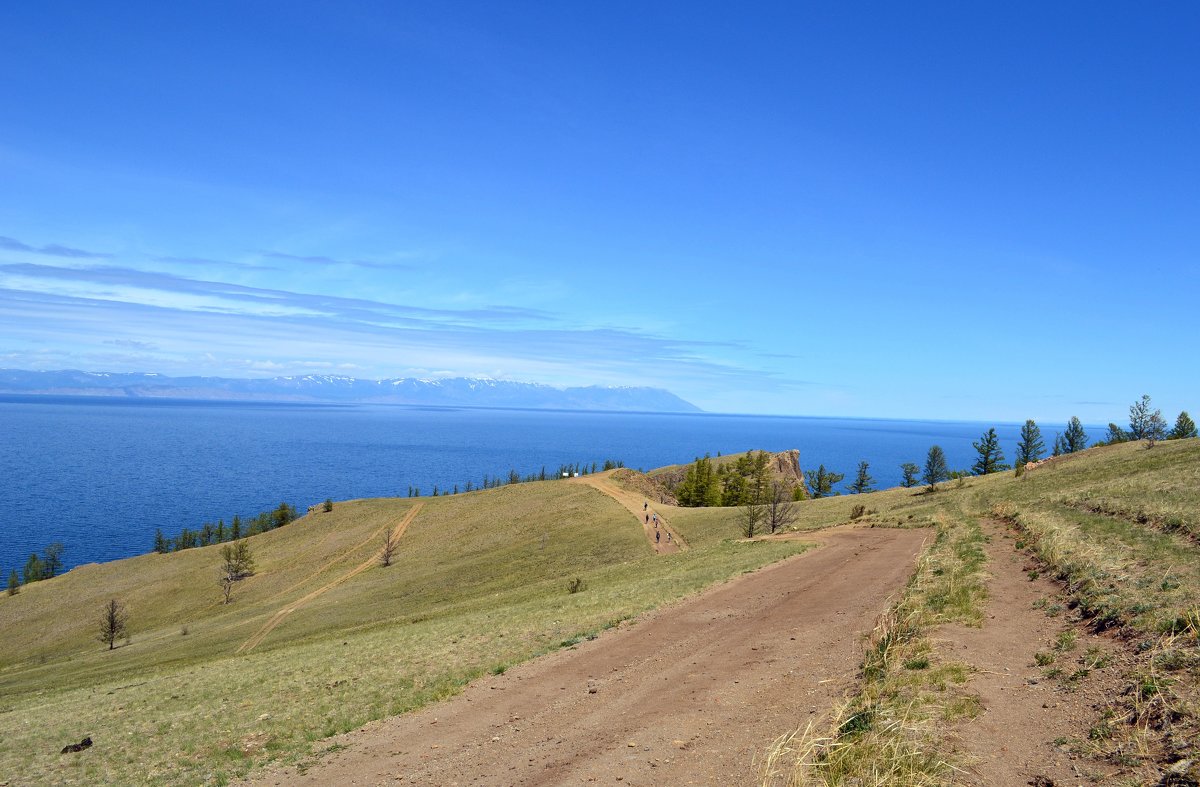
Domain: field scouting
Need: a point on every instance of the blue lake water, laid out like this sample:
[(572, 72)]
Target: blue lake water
[(100, 475)]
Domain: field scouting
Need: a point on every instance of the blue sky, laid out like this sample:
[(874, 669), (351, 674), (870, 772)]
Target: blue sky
[(952, 210)]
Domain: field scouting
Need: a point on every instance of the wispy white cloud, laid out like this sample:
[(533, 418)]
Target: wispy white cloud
[(131, 344), (209, 263), (230, 328), (171, 290), (52, 250), (330, 261)]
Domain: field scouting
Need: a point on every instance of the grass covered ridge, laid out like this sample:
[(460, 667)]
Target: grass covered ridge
[(479, 583)]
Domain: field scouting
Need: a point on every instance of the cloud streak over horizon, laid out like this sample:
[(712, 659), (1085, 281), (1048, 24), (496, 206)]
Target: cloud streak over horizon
[(105, 315)]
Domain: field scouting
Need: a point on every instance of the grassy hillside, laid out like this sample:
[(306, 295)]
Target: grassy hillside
[(479, 582), (1116, 526)]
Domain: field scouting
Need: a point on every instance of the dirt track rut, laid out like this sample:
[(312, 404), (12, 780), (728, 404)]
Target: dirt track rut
[(283, 613), (688, 695)]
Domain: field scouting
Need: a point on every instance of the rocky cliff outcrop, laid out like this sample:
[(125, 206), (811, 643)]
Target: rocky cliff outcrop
[(784, 466)]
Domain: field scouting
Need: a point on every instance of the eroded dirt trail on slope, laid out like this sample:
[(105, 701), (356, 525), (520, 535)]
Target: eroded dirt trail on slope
[(283, 613), (641, 510), (690, 694)]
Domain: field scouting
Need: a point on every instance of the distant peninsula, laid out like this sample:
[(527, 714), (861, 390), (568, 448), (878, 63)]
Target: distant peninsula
[(445, 392)]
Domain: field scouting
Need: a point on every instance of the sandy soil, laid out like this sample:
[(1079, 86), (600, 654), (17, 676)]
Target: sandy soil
[(691, 694), (1019, 737), (661, 537)]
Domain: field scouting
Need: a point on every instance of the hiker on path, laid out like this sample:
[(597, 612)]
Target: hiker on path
[(645, 505), (657, 536)]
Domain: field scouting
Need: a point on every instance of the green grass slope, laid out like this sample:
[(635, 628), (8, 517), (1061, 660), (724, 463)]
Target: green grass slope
[(479, 582), (1117, 527)]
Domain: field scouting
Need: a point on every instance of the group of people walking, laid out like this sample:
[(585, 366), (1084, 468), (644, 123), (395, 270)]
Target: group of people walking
[(654, 516)]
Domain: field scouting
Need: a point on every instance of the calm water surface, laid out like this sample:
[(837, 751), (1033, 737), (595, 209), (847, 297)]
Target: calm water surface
[(100, 475)]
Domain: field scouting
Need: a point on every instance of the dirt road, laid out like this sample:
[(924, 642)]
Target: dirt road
[(688, 695), (1022, 712)]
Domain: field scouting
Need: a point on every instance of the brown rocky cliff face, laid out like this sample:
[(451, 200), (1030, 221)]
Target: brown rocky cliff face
[(786, 465)]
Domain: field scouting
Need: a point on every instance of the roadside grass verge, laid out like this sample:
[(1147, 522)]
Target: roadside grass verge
[(1117, 527), (889, 730), (480, 583), (1145, 584)]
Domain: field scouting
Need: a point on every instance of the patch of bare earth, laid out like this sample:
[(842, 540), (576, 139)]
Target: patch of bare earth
[(691, 694), (1036, 719)]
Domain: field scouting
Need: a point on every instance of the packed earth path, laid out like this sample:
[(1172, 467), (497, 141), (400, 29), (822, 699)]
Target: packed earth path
[(1024, 716), (658, 531), (693, 693)]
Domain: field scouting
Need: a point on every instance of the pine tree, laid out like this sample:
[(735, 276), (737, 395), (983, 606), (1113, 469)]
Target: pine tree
[(33, 569), (735, 490), (991, 458), (821, 481), (1075, 438), (1156, 428), (237, 564), (185, 540), (1031, 447), (910, 471), (1060, 445), (751, 515), (935, 467), (52, 560), (687, 492), (759, 475), (113, 623), (237, 560), (1139, 417), (14, 583), (161, 544), (235, 528), (1185, 427), (863, 482), (282, 515), (1115, 435), (700, 487)]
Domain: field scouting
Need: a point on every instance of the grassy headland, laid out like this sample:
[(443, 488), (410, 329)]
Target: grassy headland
[(480, 581)]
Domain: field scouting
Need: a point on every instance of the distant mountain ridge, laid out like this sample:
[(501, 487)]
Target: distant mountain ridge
[(453, 391)]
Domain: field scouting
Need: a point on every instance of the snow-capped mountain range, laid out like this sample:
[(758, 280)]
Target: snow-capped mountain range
[(452, 392)]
